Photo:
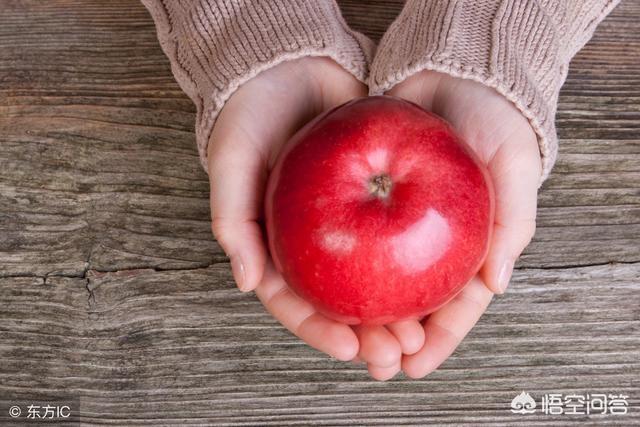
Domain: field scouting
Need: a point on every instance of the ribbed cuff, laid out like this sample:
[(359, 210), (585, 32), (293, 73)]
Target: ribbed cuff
[(215, 46), (520, 48)]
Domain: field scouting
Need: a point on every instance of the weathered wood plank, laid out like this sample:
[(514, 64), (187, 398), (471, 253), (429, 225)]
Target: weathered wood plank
[(176, 346), (98, 116), (112, 289), (105, 130)]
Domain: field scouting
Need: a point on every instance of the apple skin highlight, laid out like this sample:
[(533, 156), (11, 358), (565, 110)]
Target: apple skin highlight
[(376, 211)]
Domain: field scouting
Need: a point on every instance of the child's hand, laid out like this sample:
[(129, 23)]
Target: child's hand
[(249, 133), (504, 140)]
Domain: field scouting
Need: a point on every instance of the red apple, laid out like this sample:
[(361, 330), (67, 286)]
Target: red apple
[(376, 211)]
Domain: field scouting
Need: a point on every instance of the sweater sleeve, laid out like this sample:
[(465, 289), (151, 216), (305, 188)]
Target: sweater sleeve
[(521, 48), (214, 46)]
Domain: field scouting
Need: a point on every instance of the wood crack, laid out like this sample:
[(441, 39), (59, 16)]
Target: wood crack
[(84, 273), (87, 273), (575, 266)]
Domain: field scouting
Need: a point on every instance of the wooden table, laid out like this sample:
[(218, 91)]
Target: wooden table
[(114, 295)]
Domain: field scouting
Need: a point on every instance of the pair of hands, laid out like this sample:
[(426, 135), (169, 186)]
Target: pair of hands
[(267, 110)]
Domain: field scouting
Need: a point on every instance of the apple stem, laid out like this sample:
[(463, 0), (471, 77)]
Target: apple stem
[(380, 186)]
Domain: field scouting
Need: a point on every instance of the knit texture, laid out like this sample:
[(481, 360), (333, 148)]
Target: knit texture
[(520, 48), (214, 46)]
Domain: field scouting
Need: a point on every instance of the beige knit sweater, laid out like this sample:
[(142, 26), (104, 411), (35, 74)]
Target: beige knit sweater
[(521, 48)]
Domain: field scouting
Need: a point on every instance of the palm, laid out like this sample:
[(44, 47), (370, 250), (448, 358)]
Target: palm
[(249, 134), (505, 142)]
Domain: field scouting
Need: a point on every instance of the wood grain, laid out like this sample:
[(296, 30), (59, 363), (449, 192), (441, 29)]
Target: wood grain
[(113, 292)]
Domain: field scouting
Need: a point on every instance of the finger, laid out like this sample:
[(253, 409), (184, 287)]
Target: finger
[(383, 374), (242, 141), (298, 316), (445, 329), (237, 176), (515, 170), (378, 346), (409, 333)]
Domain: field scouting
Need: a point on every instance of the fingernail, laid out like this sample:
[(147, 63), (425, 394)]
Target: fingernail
[(238, 272), (505, 275)]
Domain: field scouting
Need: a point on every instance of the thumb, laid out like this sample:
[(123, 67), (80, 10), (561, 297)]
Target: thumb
[(259, 117), (237, 173), (515, 170)]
